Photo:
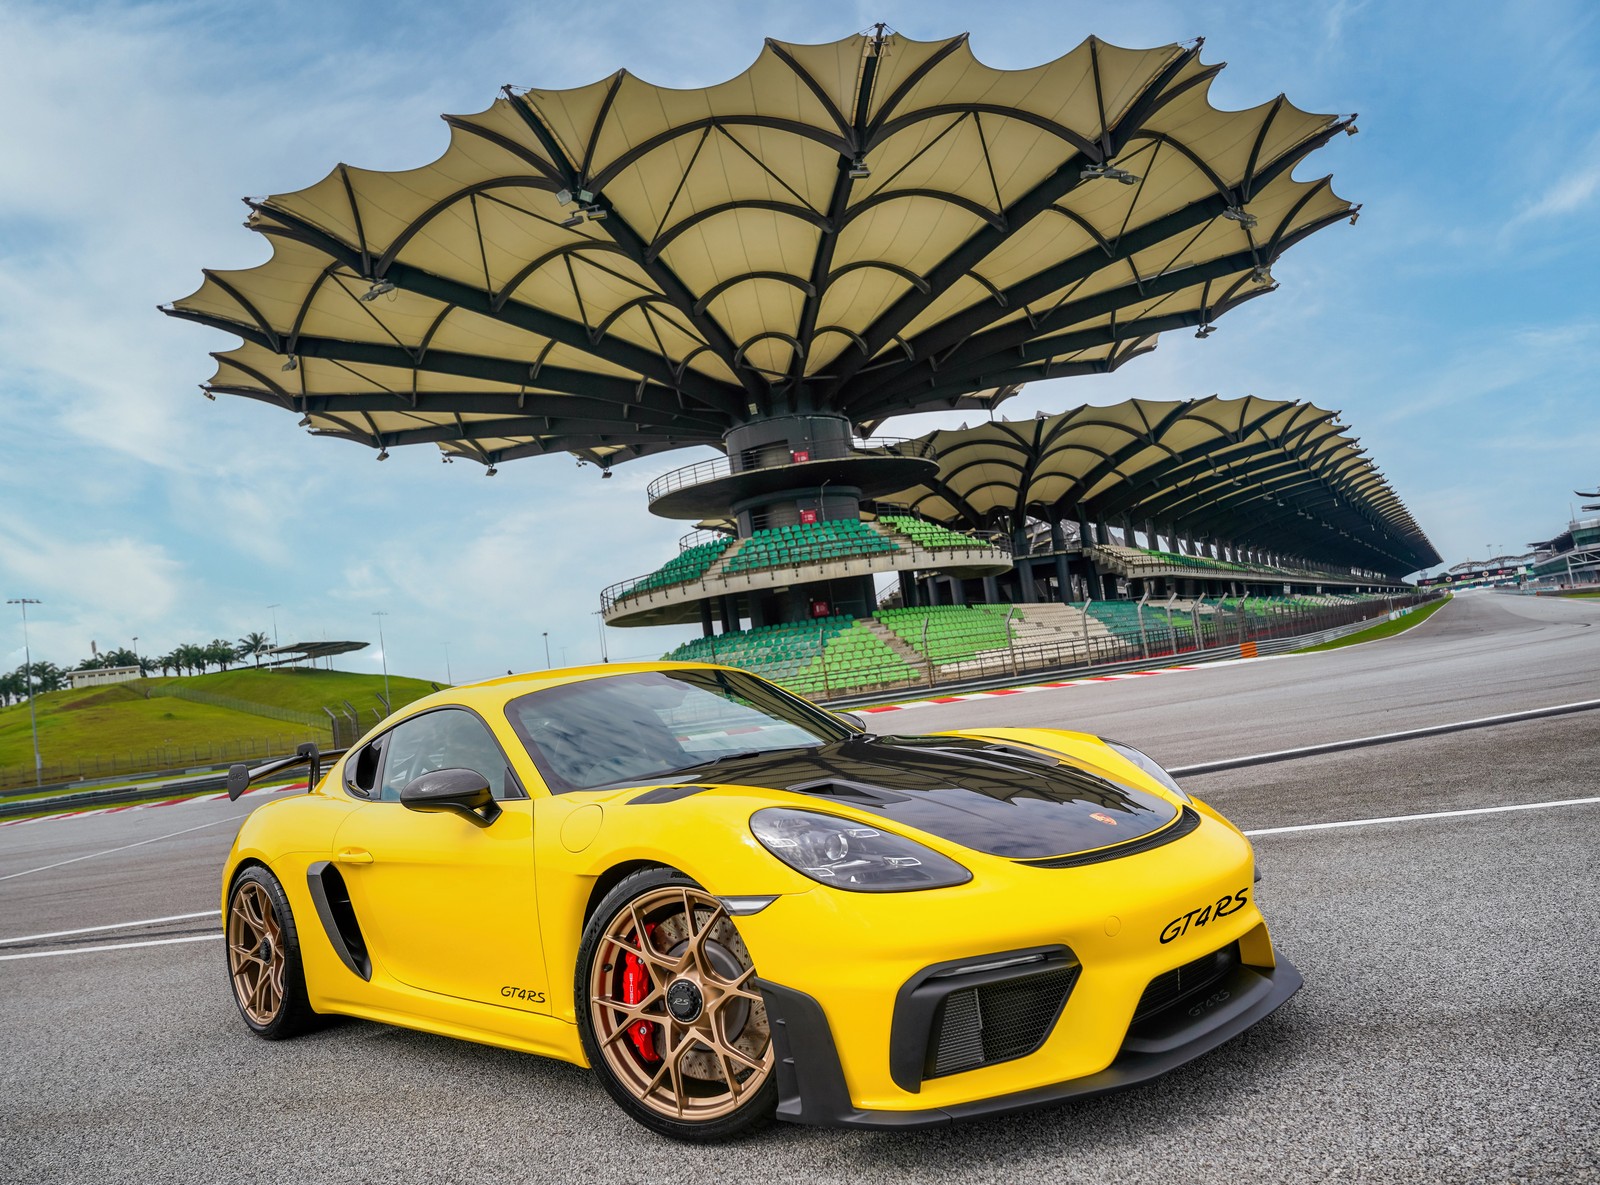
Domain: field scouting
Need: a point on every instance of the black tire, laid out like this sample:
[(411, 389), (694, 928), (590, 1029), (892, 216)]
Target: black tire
[(731, 1115), (262, 957)]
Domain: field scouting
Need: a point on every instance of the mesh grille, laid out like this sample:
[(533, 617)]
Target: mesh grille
[(996, 1022), (1168, 988)]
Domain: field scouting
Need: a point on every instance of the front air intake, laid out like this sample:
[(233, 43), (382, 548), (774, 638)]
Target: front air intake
[(1175, 986), (997, 1022), (974, 1012)]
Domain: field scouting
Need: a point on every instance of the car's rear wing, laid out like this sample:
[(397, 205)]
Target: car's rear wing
[(241, 776)]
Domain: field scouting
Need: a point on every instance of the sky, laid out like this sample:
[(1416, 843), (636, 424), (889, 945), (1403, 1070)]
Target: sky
[(1457, 326)]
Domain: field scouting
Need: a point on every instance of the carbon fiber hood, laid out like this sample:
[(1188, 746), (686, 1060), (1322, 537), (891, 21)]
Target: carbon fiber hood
[(1000, 799)]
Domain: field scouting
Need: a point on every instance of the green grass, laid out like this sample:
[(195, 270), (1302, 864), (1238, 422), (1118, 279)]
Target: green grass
[(301, 690), (1385, 629), (1580, 596), (95, 726)]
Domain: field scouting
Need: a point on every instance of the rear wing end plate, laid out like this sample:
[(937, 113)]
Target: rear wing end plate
[(242, 776)]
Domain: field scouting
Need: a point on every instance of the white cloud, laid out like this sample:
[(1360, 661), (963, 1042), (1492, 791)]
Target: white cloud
[(1570, 193)]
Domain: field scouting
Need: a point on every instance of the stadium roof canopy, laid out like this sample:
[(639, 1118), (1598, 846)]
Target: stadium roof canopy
[(1272, 474), (869, 227), (311, 651)]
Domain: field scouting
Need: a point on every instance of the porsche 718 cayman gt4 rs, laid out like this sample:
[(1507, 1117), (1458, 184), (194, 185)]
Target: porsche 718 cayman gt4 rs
[(732, 904)]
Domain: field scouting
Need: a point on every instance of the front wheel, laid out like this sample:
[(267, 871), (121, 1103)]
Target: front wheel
[(264, 957), (669, 1013)]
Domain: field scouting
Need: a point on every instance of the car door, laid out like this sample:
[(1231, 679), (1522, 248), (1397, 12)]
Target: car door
[(446, 905)]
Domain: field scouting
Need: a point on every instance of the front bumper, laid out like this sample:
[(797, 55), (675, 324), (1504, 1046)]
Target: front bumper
[(811, 1082)]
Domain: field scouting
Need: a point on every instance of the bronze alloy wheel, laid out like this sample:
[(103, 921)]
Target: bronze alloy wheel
[(677, 1019), (263, 951), (257, 956)]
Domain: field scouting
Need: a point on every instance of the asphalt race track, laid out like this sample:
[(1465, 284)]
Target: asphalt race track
[(1447, 1030)]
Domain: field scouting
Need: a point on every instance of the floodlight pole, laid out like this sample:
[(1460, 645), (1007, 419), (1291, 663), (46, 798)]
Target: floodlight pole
[(600, 620), (547, 650), (27, 680), (383, 652), (274, 609)]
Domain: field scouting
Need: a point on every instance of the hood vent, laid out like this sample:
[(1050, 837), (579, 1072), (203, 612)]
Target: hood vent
[(841, 790)]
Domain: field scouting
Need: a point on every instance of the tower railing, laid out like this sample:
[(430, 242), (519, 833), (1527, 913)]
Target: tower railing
[(779, 457)]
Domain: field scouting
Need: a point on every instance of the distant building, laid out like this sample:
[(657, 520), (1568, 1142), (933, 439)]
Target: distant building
[(95, 676)]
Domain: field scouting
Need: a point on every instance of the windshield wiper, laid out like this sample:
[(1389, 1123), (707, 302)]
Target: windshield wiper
[(736, 755)]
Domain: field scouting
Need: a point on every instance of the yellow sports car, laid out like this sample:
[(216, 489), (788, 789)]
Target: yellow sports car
[(732, 904)]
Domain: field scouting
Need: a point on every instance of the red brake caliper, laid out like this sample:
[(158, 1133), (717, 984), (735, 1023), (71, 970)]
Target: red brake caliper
[(635, 983)]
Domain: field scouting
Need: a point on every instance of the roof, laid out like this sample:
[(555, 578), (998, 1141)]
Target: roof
[(310, 651), (872, 227), (1273, 474)]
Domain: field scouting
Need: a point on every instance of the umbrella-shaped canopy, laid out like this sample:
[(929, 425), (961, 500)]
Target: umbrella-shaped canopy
[(861, 229), (1270, 473)]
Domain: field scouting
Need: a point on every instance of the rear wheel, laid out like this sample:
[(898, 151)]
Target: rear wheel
[(264, 957), (669, 1013)]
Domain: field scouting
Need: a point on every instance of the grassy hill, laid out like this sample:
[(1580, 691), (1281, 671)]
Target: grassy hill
[(299, 690), (128, 727)]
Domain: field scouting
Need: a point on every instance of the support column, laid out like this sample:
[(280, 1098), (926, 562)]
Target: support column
[(908, 589), (1025, 575), (1063, 579), (705, 618)]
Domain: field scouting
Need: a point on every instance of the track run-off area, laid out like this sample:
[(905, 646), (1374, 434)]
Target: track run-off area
[(1446, 1031)]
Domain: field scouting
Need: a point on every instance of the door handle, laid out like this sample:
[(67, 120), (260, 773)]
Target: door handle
[(353, 856)]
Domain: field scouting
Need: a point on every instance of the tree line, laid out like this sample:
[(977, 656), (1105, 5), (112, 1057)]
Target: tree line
[(194, 658)]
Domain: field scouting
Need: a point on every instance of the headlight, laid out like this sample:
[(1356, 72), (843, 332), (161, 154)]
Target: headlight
[(849, 855), (1149, 766)]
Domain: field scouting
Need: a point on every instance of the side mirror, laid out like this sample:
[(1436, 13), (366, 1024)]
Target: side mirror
[(463, 792), (853, 720)]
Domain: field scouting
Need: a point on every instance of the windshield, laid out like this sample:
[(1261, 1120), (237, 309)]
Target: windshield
[(655, 725)]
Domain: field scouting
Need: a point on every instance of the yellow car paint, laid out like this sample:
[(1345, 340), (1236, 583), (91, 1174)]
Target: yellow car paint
[(456, 913)]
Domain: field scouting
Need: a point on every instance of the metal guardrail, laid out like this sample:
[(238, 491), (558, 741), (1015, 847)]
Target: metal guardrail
[(697, 537), (1221, 633), (270, 711), (780, 457)]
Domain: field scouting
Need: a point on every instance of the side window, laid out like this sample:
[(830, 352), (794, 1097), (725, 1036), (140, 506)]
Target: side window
[(446, 739), (361, 771)]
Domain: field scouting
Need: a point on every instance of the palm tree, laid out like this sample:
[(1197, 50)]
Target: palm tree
[(252, 644), (48, 677), (220, 652)]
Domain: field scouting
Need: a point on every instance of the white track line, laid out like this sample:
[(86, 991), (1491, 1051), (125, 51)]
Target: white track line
[(123, 848), (177, 917), (1384, 738), (1482, 810), (83, 950)]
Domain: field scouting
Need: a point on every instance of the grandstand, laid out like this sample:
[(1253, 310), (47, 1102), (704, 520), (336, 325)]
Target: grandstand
[(1572, 558)]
